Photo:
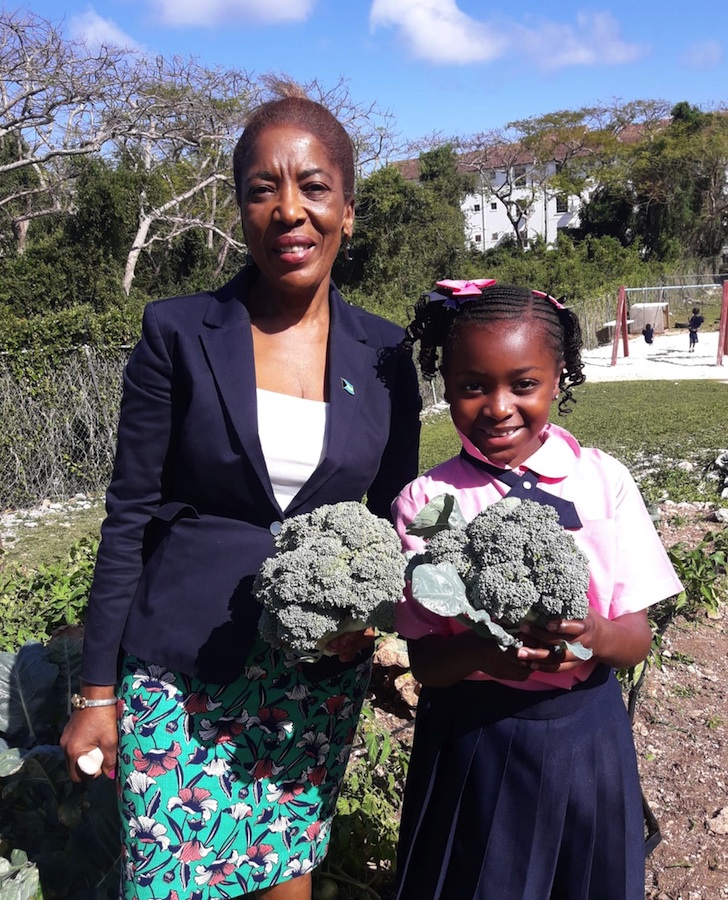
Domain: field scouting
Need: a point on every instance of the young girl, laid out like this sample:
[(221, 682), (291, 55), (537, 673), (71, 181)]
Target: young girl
[(523, 781)]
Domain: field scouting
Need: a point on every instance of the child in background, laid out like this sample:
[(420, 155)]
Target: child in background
[(523, 781), (648, 333), (696, 320)]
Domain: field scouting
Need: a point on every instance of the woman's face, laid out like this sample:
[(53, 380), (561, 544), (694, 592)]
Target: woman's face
[(293, 210)]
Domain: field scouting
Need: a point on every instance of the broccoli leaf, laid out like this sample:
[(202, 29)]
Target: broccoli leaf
[(579, 650), (439, 588), (442, 512)]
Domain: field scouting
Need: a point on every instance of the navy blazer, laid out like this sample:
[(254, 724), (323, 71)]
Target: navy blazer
[(190, 508)]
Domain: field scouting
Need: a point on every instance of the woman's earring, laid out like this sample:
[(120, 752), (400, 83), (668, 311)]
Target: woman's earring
[(348, 255)]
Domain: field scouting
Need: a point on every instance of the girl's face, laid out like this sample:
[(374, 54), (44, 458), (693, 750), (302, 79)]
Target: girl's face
[(500, 381), (293, 209)]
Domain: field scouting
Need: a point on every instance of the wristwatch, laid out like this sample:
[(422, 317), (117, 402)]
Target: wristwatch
[(78, 701)]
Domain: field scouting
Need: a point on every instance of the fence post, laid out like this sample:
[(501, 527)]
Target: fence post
[(723, 327), (620, 325)]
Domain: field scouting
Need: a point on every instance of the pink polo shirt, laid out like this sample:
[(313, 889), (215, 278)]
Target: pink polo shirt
[(629, 568)]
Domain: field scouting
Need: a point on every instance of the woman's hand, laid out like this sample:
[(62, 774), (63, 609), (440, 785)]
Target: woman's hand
[(348, 646), (86, 729)]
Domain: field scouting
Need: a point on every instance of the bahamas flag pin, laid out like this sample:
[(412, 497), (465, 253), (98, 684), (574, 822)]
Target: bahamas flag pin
[(347, 386)]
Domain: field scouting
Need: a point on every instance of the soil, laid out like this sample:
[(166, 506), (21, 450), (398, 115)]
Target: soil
[(681, 736)]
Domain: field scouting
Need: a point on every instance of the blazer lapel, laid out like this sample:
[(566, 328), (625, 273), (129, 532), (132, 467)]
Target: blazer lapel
[(228, 345), (351, 368)]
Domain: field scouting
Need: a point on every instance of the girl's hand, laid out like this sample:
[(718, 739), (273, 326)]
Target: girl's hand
[(619, 643), (546, 651), (347, 646), (506, 665)]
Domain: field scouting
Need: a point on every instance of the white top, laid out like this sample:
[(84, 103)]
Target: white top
[(292, 433)]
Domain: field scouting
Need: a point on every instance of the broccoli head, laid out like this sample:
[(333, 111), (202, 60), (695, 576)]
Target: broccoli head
[(513, 561), (339, 568)]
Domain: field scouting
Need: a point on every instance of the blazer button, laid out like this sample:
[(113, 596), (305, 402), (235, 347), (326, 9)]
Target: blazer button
[(275, 528)]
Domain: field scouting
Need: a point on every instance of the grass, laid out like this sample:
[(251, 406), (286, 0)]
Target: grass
[(52, 537), (650, 425)]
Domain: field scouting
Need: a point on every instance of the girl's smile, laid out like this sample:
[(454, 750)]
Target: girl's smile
[(500, 381)]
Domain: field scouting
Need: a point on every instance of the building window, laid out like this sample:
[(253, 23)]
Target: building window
[(494, 205), (562, 203), (476, 208), (494, 236), (519, 176), (478, 238)]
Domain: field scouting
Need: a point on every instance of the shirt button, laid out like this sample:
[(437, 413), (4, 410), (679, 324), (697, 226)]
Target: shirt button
[(275, 528), (527, 485)]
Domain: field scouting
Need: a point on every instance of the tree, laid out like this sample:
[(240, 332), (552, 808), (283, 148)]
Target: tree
[(408, 234), (681, 185), (58, 100)]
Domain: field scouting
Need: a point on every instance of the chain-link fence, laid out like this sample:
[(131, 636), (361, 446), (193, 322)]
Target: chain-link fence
[(58, 414), (58, 417)]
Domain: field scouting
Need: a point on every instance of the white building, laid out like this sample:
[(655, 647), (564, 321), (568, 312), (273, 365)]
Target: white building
[(487, 221), (513, 198)]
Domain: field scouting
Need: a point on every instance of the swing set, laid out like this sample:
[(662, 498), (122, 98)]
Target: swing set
[(621, 323)]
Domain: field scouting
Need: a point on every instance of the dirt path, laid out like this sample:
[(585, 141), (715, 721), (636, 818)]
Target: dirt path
[(681, 734)]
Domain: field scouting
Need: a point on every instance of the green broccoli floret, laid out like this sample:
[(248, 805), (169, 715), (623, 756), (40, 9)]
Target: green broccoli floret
[(339, 568), (513, 561)]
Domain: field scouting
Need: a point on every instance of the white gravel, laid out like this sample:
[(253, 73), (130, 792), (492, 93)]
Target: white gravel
[(666, 359)]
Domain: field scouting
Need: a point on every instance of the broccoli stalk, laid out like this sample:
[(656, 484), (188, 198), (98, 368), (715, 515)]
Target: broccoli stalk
[(337, 569), (512, 562)]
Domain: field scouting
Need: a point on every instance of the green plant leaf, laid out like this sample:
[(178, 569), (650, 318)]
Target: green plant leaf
[(11, 761), (19, 878), (27, 679), (579, 650), (64, 650), (441, 513)]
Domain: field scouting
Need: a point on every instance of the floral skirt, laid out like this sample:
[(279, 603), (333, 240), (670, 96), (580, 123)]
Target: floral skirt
[(228, 788)]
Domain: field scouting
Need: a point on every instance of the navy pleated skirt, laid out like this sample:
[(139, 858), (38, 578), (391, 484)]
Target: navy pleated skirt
[(522, 795)]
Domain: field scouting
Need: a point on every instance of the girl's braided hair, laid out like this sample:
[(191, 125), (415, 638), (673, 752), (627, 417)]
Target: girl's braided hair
[(438, 319)]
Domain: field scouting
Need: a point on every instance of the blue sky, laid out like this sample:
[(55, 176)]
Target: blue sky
[(453, 66)]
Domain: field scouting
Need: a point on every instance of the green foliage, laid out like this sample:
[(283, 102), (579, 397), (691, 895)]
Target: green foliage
[(578, 269), (363, 846), (34, 604), (18, 877), (68, 831), (702, 570), (49, 333), (408, 235)]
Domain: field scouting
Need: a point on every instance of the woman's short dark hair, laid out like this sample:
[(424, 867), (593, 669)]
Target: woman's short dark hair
[(309, 116)]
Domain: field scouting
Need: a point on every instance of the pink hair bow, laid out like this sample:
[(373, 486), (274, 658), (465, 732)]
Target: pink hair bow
[(549, 298), (465, 288)]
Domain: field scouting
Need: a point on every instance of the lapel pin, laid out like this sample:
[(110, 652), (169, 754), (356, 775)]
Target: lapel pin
[(347, 386)]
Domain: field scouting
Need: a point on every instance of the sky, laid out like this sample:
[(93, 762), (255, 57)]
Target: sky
[(455, 67)]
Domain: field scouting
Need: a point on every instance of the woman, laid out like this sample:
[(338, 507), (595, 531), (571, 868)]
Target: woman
[(241, 406)]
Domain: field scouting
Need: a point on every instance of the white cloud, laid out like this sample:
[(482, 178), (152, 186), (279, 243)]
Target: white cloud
[(596, 40), (703, 55), (437, 31), (95, 31), (209, 13)]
